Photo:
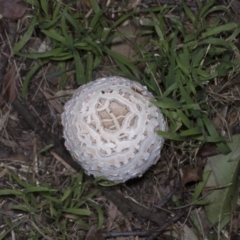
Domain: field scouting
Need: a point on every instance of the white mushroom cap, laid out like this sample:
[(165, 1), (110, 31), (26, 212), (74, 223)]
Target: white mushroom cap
[(110, 128)]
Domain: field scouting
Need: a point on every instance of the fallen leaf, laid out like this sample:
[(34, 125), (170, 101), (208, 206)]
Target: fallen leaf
[(52, 101), (3, 173), (233, 116), (6, 209), (87, 3), (10, 80), (133, 4), (8, 143), (233, 120), (184, 231), (192, 175), (219, 121), (111, 212), (208, 150), (223, 184), (94, 234), (13, 9)]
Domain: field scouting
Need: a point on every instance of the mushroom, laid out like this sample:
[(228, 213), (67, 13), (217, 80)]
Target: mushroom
[(110, 126)]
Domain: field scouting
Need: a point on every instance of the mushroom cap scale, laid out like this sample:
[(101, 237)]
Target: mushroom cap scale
[(110, 125)]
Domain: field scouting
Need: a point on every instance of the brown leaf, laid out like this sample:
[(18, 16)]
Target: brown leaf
[(8, 143), (94, 234), (52, 101), (111, 212), (87, 3), (192, 175), (208, 150), (9, 84), (3, 173), (13, 9)]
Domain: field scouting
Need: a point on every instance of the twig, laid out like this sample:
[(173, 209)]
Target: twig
[(128, 234), (169, 196), (127, 207), (165, 225), (151, 234)]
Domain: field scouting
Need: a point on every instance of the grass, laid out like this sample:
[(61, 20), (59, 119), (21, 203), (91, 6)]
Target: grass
[(186, 55), (43, 204), (186, 60)]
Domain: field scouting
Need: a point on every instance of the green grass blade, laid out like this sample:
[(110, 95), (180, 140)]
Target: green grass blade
[(63, 57), (22, 183), (95, 19), (34, 3), (23, 208), (219, 29), (188, 12), (72, 21), (95, 6), (105, 34), (170, 89), (191, 132), (222, 146), (44, 6), (197, 57), (27, 79), (120, 58), (64, 26), (37, 189), (234, 35), (77, 211), (216, 41), (89, 67), (123, 71), (56, 12), (46, 148), (204, 9), (171, 136), (66, 194), (79, 69), (50, 198), (170, 79), (37, 55), (184, 119), (54, 35), (26, 36), (167, 103), (121, 20), (48, 24), (94, 47), (100, 214), (182, 65), (184, 94), (216, 9), (198, 190), (6, 192)]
